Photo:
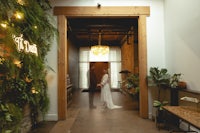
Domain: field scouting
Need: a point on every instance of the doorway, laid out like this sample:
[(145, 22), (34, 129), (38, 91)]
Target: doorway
[(66, 12), (99, 67)]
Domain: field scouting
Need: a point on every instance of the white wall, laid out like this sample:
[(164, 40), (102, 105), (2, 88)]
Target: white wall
[(182, 38), (52, 77), (52, 83), (155, 38)]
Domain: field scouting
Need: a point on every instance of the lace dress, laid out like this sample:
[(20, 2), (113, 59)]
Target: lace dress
[(106, 96)]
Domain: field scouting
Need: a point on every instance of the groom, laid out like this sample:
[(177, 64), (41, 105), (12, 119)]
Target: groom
[(92, 85)]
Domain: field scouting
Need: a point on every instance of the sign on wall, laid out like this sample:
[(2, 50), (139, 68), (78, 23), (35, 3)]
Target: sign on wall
[(24, 45)]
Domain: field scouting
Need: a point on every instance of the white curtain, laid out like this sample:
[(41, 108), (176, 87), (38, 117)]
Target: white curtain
[(114, 58), (83, 66), (115, 66)]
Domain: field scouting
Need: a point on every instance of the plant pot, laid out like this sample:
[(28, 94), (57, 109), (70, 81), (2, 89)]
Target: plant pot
[(182, 84), (159, 116)]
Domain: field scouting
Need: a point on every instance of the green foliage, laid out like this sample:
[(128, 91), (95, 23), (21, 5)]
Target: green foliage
[(159, 104), (132, 85), (23, 82), (160, 77), (174, 80), (10, 117), (35, 26), (163, 79), (132, 81)]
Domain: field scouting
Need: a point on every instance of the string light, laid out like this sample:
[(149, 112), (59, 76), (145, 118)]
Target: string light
[(35, 27), (4, 25), (28, 80), (17, 63), (21, 2), (19, 15), (34, 91)]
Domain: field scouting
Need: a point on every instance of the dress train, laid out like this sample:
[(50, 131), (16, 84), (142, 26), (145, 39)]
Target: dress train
[(106, 95)]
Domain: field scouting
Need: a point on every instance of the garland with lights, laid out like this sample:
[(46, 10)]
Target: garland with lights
[(25, 39)]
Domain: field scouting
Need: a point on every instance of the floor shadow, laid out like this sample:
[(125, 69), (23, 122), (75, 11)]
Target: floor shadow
[(87, 90), (98, 90), (44, 127)]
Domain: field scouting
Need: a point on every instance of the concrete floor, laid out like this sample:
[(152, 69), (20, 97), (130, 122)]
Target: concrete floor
[(82, 119)]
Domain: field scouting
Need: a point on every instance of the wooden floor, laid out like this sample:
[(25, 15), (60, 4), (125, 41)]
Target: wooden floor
[(83, 119)]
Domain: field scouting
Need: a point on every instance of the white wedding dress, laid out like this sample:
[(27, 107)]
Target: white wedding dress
[(106, 96)]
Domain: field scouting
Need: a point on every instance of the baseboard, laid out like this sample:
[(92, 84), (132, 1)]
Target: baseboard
[(150, 116), (51, 117)]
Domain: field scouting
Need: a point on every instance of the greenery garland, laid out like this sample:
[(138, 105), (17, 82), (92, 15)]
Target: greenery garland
[(22, 73)]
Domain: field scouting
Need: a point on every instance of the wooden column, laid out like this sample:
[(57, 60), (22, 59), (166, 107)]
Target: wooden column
[(128, 55), (142, 46), (62, 67)]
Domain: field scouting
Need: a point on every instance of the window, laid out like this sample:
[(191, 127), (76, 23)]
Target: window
[(114, 58)]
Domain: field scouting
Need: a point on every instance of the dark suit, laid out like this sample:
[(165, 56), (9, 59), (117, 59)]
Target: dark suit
[(92, 86)]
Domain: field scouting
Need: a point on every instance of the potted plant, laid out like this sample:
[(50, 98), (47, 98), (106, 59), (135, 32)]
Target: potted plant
[(132, 85), (161, 79), (174, 80), (174, 86)]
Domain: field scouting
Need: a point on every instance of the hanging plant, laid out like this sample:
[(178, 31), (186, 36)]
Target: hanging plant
[(10, 117), (26, 34)]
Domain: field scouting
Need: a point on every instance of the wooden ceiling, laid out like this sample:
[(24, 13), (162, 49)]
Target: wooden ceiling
[(85, 31)]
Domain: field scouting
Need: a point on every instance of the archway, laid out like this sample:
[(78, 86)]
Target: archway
[(66, 12)]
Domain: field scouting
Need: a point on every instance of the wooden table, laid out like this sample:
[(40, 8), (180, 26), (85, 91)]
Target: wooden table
[(187, 114)]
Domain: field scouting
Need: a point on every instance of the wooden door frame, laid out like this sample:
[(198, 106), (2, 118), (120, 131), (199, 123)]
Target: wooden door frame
[(62, 13)]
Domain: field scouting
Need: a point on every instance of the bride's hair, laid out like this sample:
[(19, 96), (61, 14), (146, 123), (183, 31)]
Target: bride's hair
[(105, 71)]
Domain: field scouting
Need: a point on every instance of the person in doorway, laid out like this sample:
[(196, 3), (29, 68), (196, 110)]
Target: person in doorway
[(92, 86), (106, 96)]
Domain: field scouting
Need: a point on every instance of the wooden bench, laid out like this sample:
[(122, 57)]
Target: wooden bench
[(185, 113)]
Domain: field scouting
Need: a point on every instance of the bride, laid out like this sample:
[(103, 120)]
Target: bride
[(106, 96)]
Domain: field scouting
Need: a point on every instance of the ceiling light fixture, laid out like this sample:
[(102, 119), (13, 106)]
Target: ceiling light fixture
[(99, 49)]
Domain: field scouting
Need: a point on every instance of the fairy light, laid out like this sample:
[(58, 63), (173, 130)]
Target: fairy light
[(28, 80), (21, 2), (4, 25), (17, 63), (19, 15), (34, 91), (2, 60), (35, 27)]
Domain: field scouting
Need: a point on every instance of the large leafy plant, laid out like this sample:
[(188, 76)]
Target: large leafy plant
[(160, 77), (163, 79)]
